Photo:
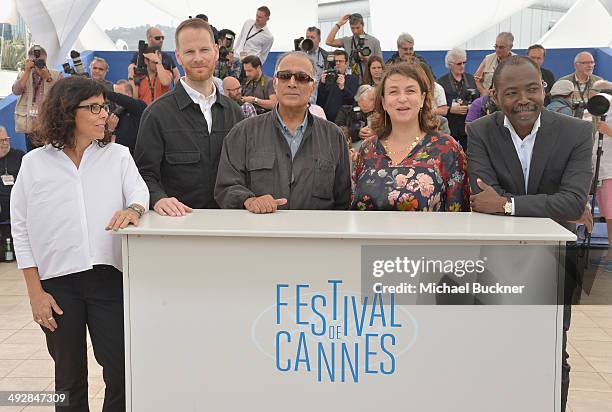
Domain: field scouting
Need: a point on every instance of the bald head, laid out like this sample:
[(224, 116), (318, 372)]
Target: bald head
[(231, 88)]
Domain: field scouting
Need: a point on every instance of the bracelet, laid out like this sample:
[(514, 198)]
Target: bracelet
[(137, 209), (130, 78), (338, 26)]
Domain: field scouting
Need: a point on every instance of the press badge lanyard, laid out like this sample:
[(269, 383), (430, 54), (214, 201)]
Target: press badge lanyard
[(580, 91), (7, 179), (250, 36)]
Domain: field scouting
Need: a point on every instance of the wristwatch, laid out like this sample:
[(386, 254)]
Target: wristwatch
[(508, 208), (255, 100)]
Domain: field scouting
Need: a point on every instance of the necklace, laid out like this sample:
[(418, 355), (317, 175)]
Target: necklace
[(408, 149)]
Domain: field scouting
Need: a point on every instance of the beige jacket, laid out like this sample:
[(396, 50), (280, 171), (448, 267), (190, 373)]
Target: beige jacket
[(24, 122)]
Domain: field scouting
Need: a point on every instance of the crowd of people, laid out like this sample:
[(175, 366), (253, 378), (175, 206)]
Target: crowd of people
[(332, 130)]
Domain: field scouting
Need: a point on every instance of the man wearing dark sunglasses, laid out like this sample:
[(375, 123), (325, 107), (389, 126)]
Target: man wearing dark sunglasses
[(155, 38), (286, 158)]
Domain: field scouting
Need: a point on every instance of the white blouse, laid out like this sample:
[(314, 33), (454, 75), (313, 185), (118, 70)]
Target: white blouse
[(59, 213)]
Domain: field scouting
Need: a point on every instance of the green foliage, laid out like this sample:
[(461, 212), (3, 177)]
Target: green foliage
[(13, 54)]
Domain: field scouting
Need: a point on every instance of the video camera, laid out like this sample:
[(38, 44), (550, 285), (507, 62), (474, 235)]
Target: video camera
[(360, 50), (302, 44), (331, 73), (77, 64), (38, 62)]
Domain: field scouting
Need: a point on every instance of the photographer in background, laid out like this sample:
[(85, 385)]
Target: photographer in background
[(155, 38), (336, 88), (231, 89), (460, 89), (257, 88), (10, 163), (561, 98), (32, 86), (354, 119), (123, 122), (98, 69), (360, 46), (228, 64), (156, 81), (582, 79)]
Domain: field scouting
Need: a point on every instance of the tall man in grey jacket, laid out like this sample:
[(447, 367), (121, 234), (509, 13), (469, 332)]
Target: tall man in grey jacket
[(286, 158), (526, 161)]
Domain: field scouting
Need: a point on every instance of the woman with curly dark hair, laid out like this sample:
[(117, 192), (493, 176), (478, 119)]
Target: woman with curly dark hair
[(70, 194), (409, 165)]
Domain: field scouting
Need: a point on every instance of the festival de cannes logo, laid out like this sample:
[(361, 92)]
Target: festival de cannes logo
[(333, 334)]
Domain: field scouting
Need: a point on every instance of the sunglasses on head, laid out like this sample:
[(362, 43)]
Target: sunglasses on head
[(158, 38), (300, 77)]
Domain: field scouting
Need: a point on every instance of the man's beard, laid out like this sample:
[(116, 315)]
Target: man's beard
[(198, 77)]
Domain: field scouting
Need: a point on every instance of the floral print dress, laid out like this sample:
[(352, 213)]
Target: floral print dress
[(432, 177)]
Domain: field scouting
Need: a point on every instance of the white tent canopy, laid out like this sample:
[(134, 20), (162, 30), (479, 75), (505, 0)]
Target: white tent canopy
[(438, 24), (586, 22)]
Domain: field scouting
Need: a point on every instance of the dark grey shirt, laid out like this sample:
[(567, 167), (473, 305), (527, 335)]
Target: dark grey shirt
[(256, 160), (175, 153)]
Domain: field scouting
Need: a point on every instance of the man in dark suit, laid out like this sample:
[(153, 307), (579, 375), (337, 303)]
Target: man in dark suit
[(527, 161)]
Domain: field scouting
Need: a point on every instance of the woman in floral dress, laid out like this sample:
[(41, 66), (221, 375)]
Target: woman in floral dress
[(409, 166)]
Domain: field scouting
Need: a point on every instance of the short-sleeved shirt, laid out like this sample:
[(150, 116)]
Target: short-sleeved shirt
[(581, 90), (151, 89), (167, 61), (349, 43), (261, 88)]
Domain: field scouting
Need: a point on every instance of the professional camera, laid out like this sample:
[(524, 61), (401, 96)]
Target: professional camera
[(141, 67), (360, 50), (228, 44), (38, 62), (599, 104), (578, 107), (77, 63), (331, 73), (119, 110), (302, 44)]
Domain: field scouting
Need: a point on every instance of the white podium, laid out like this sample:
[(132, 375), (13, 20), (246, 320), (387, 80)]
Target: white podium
[(230, 311)]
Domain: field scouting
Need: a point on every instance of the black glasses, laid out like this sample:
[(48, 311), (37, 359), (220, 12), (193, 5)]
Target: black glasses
[(300, 77), (158, 38), (460, 63), (95, 108)]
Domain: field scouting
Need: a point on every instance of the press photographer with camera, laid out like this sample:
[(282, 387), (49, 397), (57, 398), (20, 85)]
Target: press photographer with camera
[(354, 120), (155, 38), (582, 79), (153, 80), (562, 93), (360, 46), (460, 89), (257, 88), (336, 88), (228, 64), (32, 86), (310, 46), (124, 120)]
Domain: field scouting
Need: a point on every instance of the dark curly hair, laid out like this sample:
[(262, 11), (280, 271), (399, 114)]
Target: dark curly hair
[(428, 122), (56, 119)]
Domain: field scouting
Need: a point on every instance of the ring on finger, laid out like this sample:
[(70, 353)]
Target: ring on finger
[(38, 320), (51, 318)]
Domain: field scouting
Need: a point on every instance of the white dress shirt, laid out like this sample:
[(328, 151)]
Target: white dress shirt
[(254, 41), (205, 102), (524, 148), (59, 213)]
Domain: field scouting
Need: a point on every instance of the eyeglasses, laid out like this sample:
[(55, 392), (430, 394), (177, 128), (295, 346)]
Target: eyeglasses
[(499, 46), (95, 108), (459, 63), (158, 38), (5, 140), (300, 77), (589, 62)]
